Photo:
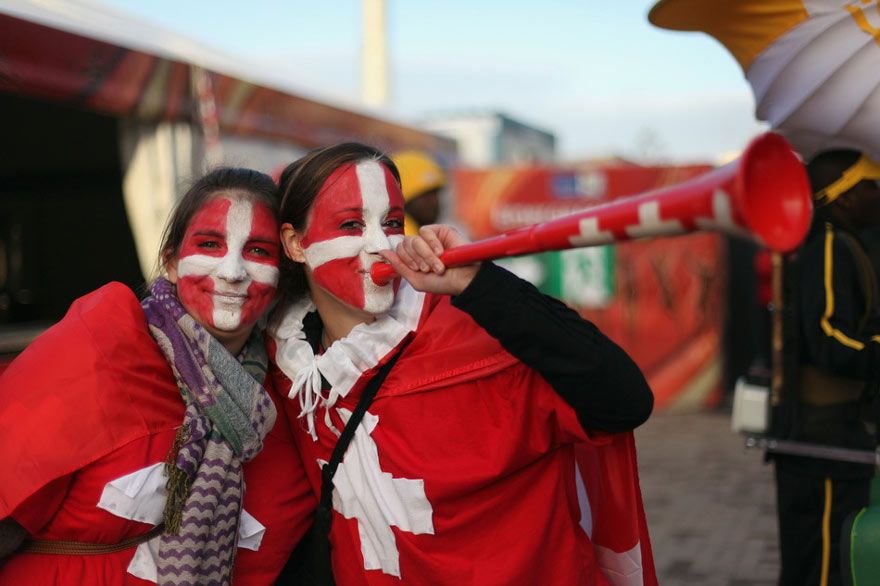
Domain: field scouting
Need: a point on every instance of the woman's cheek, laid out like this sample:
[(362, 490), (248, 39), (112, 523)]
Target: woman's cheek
[(196, 296), (260, 296), (342, 279)]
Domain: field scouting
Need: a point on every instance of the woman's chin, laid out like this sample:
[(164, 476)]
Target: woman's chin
[(378, 303)]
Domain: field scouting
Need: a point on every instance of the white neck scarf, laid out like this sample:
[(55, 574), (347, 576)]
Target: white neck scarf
[(343, 363)]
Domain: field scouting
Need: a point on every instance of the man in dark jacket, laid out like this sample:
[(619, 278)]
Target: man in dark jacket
[(831, 284)]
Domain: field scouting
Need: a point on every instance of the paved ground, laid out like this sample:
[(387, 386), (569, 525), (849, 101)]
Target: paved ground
[(710, 502)]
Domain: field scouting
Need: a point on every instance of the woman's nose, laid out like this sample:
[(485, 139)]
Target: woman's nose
[(232, 268), (376, 240)]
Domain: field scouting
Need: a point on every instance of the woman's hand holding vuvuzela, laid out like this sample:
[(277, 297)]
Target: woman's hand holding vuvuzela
[(417, 259)]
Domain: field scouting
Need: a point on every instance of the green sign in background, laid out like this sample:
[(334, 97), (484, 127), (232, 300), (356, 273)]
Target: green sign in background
[(582, 277)]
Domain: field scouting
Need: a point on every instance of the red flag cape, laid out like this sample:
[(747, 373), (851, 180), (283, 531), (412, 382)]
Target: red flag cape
[(84, 388), (94, 395), (465, 470)]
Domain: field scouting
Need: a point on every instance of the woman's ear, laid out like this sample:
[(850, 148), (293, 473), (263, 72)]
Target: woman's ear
[(290, 240), (170, 266), (171, 270)]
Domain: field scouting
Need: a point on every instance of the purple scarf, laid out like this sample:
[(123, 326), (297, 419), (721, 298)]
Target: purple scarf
[(228, 413)]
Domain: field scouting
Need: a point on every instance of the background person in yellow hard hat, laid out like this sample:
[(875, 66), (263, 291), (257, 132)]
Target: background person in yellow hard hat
[(421, 180)]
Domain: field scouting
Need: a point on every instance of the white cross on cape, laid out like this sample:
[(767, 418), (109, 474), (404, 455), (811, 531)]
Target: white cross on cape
[(377, 500)]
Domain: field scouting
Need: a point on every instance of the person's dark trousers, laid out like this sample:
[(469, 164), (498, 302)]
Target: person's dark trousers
[(809, 545)]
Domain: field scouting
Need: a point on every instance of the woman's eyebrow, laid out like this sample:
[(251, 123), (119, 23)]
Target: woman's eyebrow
[(260, 238)]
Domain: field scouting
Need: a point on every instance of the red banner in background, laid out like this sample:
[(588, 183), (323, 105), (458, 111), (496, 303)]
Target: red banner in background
[(490, 201), (664, 303)]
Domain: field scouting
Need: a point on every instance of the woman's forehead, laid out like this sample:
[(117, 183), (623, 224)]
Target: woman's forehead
[(366, 184), (233, 208), (213, 211)]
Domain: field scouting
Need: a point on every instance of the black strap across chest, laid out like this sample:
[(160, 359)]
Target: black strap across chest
[(329, 470)]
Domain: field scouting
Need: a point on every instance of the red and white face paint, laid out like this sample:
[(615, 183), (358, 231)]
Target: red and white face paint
[(358, 212), (227, 270)]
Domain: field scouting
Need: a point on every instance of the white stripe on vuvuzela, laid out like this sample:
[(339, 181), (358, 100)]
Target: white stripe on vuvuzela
[(650, 223), (722, 218)]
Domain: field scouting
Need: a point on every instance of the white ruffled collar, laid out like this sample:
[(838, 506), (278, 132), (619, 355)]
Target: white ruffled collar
[(343, 363)]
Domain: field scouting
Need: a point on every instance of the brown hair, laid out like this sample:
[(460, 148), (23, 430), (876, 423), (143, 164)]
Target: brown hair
[(259, 187), (300, 183)]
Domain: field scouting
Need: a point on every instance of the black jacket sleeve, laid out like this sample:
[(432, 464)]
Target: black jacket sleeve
[(833, 301), (589, 371)]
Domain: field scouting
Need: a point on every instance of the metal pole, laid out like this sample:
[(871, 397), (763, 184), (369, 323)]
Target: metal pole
[(814, 450), (374, 58)]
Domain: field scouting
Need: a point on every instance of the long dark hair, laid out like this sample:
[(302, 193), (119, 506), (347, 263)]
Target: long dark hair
[(259, 186), (300, 183)]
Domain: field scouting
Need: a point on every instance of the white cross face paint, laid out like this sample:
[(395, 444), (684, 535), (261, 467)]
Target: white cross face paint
[(358, 212), (228, 263)]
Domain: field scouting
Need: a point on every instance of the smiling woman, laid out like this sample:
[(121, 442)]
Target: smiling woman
[(500, 410), (226, 265), (358, 213), (111, 477)]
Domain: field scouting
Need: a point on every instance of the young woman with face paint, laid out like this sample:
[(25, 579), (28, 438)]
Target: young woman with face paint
[(503, 408), (138, 438)]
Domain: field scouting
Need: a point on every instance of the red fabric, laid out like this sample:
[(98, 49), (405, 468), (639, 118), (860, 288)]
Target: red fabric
[(764, 276), (495, 448), (34, 513), (91, 400), (611, 479)]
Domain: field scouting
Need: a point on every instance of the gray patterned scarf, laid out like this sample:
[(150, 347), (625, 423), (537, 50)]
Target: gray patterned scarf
[(228, 413)]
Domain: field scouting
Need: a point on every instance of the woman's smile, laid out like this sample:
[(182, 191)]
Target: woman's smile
[(231, 297)]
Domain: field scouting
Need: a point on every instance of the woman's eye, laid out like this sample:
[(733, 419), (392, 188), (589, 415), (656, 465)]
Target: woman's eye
[(209, 244), (352, 225), (393, 223), (258, 250)]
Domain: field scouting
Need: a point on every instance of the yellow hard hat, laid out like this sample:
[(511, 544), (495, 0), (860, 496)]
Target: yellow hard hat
[(419, 173)]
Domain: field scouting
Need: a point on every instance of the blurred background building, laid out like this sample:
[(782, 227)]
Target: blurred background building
[(493, 138)]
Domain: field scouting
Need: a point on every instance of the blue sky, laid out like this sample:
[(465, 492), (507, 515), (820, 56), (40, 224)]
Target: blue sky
[(596, 74)]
